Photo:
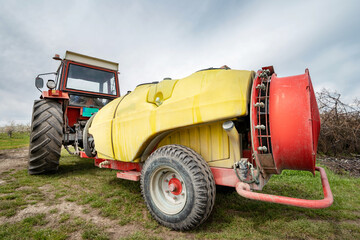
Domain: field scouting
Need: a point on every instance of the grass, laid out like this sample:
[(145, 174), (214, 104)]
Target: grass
[(33, 227), (17, 140), (98, 191)]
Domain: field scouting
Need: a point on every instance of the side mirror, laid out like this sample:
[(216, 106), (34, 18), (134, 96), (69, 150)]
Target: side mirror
[(39, 82)]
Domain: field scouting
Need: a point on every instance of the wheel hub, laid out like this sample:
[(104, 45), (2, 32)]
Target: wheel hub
[(168, 190), (175, 186)]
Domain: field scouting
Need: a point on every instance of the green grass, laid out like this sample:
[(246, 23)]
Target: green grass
[(30, 228), (17, 140), (98, 190)]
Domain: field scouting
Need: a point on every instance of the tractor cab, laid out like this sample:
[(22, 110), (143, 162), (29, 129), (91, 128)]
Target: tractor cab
[(87, 83), (90, 82), (81, 85)]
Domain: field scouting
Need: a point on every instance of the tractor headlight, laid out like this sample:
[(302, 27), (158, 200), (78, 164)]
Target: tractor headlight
[(51, 84)]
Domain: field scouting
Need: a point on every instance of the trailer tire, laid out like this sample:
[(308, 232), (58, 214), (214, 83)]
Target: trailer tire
[(46, 137), (178, 187)]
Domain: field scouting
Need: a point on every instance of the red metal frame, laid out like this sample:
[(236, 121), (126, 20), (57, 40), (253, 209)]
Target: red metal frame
[(128, 170), (224, 176), (243, 189), (114, 164), (257, 138), (64, 80), (56, 94), (129, 175), (254, 116)]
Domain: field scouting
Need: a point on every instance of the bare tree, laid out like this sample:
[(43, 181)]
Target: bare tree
[(340, 124)]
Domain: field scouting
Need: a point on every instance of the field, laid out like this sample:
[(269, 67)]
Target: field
[(17, 140), (85, 202)]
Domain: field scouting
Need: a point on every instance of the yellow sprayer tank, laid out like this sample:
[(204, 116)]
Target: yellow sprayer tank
[(124, 127)]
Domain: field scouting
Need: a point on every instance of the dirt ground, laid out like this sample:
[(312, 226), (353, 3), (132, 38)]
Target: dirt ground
[(13, 159)]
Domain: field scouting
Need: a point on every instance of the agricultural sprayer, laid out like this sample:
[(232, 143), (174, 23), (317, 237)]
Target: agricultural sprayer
[(181, 137)]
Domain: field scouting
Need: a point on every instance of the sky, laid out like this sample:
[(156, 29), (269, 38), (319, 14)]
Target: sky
[(155, 39)]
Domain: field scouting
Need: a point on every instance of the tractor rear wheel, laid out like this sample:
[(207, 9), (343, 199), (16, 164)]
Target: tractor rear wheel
[(178, 187), (46, 137)]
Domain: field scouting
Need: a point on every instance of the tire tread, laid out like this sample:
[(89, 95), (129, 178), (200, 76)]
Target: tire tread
[(46, 137)]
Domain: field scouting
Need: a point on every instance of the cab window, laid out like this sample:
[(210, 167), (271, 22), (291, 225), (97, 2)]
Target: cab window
[(90, 80)]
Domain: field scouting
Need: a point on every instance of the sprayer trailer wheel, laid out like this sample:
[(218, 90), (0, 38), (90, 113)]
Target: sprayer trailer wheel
[(46, 137), (178, 187)]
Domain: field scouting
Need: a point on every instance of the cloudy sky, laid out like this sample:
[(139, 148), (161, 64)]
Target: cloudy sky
[(156, 39)]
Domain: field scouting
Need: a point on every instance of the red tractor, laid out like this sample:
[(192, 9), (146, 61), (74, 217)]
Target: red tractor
[(81, 87)]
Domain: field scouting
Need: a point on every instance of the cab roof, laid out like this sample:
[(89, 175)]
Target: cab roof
[(80, 58)]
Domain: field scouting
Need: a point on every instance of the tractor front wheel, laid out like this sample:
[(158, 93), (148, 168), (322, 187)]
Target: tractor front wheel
[(46, 137), (178, 187)]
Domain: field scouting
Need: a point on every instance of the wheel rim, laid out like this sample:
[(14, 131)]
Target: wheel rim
[(168, 190)]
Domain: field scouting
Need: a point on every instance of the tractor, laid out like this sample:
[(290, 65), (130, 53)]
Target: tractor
[(81, 86), (182, 137)]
